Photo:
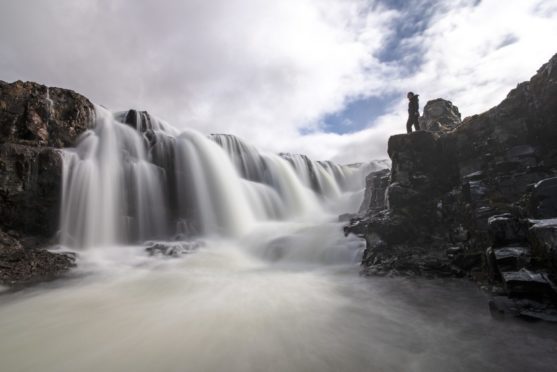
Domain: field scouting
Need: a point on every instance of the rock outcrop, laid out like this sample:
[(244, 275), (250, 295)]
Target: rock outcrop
[(35, 122), (447, 184), (440, 116)]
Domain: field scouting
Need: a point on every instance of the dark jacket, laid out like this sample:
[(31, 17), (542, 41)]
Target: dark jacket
[(414, 106)]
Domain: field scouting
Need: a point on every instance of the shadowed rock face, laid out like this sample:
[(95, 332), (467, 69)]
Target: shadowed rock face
[(440, 115), (445, 185), (35, 122)]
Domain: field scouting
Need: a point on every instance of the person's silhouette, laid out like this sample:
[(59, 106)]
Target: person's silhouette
[(413, 112)]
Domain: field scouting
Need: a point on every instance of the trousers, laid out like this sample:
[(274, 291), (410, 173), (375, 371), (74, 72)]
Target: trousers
[(412, 121)]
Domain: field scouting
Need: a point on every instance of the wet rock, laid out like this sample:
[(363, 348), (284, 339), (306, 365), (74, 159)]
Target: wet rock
[(502, 307), (526, 283), (173, 249), (23, 265)]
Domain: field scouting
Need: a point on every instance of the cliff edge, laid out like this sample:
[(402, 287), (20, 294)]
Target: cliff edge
[(476, 198), (35, 122)]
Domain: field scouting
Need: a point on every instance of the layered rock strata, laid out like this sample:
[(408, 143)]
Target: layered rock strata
[(447, 186)]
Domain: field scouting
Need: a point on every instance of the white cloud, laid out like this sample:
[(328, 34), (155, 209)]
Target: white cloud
[(268, 71)]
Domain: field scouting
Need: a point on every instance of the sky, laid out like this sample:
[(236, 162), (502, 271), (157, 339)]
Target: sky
[(327, 78)]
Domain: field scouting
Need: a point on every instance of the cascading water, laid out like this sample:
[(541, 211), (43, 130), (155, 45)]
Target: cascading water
[(133, 178), (272, 284)]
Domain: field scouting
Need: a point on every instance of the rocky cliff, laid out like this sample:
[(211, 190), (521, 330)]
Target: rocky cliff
[(35, 122), (467, 198)]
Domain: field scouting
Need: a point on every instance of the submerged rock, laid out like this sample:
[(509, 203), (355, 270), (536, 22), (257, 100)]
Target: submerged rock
[(173, 249)]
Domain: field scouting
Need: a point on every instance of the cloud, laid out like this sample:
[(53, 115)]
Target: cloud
[(271, 71)]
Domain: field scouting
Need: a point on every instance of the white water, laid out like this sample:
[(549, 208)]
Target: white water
[(274, 286)]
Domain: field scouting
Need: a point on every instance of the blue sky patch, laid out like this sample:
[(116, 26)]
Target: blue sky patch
[(358, 114)]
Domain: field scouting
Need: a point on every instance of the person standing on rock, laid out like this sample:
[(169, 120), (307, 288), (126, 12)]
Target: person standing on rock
[(413, 112)]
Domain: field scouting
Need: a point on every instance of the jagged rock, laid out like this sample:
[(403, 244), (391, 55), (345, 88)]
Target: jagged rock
[(506, 228), (30, 188), (528, 283), (420, 161), (35, 121), (20, 265), (34, 115), (543, 201), (543, 237), (511, 258), (173, 249), (376, 187), (440, 116)]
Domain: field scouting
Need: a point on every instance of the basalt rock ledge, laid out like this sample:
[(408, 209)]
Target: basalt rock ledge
[(476, 198)]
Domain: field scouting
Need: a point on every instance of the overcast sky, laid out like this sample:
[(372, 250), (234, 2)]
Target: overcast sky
[(327, 78)]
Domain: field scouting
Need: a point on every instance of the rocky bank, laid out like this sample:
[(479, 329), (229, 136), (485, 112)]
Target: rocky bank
[(474, 198), (35, 122)]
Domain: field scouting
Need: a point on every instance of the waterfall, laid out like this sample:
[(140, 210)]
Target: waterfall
[(133, 177)]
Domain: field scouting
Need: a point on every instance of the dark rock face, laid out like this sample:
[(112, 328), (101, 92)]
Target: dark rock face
[(35, 121), (455, 191), (35, 115), (173, 249), (30, 188), (440, 116), (21, 263), (543, 201), (376, 187)]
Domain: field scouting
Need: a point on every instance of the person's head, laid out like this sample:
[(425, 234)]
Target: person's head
[(410, 95)]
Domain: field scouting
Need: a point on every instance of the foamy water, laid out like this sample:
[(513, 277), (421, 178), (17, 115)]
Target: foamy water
[(234, 305)]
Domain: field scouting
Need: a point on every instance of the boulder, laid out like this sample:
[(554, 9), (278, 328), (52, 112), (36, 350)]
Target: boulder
[(34, 115), (35, 122), (420, 161), (172, 249), (526, 283), (440, 115), (20, 265), (543, 238)]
